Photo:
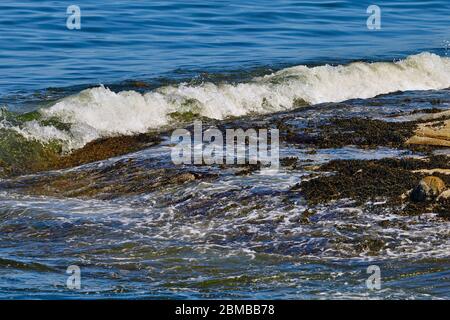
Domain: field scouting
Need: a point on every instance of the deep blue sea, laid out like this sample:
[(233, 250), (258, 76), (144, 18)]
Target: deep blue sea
[(122, 40), (133, 63)]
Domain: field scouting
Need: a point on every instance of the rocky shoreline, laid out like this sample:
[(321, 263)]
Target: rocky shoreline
[(392, 182)]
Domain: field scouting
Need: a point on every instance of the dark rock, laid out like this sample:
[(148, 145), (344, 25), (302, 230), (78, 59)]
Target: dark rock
[(428, 188)]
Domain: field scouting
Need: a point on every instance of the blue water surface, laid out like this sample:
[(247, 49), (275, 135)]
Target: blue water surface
[(121, 40), (183, 242)]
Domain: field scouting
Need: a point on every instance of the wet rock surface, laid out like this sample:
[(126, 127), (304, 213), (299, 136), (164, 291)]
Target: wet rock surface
[(429, 188), (365, 133), (385, 180), (307, 131)]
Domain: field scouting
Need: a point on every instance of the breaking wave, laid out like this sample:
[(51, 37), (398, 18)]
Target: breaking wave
[(99, 112)]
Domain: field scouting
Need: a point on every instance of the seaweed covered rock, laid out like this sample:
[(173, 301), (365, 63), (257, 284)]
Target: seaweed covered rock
[(444, 195)]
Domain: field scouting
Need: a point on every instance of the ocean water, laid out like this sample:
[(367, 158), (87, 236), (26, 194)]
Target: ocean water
[(135, 63), (122, 40)]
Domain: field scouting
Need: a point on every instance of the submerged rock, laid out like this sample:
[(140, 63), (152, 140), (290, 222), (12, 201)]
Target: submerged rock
[(370, 245), (4, 169), (429, 187)]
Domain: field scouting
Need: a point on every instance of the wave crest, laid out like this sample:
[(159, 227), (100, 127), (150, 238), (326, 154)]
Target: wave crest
[(99, 112)]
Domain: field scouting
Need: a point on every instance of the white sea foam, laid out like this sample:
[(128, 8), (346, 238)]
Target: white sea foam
[(99, 112)]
